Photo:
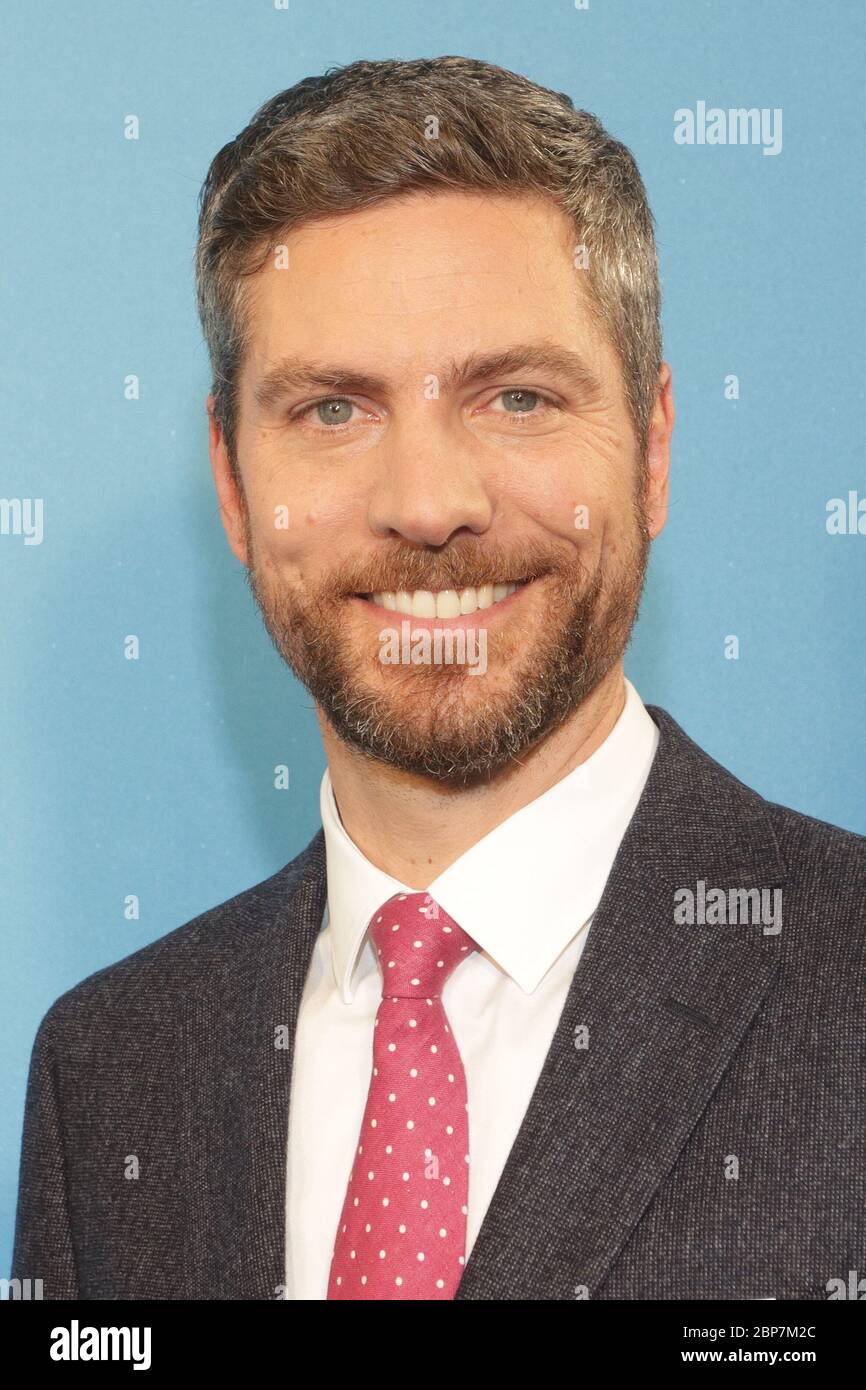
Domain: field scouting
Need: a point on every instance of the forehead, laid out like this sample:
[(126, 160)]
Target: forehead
[(417, 279)]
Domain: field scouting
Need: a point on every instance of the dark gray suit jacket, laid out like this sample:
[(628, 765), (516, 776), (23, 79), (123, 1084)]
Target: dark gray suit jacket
[(708, 1142)]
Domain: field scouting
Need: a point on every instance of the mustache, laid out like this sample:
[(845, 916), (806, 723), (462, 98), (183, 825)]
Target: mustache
[(461, 565)]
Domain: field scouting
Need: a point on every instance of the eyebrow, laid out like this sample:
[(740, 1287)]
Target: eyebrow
[(293, 374)]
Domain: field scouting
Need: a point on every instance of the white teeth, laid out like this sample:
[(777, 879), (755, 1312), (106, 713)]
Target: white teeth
[(446, 603), (423, 604)]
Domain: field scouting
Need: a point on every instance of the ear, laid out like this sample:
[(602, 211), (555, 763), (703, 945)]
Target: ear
[(658, 453), (231, 500)]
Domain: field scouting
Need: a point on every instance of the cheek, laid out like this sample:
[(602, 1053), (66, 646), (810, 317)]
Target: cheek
[(570, 504), (578, 489), (299, 533)]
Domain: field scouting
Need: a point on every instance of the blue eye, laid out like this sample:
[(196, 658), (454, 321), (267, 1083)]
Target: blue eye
[(334, 410), (519, 401)]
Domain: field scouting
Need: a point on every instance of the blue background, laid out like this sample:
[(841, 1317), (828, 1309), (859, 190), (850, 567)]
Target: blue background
[(155, 777)]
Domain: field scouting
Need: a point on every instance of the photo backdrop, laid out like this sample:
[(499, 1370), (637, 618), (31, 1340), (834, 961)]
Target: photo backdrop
[(155, 777)]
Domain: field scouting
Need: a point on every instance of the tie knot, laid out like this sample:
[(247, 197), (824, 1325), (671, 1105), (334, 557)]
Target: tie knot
[(417, 944)]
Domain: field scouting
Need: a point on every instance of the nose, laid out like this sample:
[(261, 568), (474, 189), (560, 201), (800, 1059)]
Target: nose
[(428, 487)]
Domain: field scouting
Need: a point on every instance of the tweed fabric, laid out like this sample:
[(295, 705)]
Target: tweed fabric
[(698, 1129)]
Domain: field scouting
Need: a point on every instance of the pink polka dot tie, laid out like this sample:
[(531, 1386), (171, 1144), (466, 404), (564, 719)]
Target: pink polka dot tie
[(402, 1231)]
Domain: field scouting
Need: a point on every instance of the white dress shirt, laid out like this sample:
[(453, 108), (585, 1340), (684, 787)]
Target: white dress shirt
[(525, 893)]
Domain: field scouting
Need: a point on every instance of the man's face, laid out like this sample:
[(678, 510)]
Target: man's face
[(427, 409)]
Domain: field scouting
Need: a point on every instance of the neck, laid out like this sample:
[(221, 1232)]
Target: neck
[(413, 828)]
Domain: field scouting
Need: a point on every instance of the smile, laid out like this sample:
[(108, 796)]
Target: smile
[(443, 603)]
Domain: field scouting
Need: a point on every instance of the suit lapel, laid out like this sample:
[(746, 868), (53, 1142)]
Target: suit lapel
[(661, 1008), (240, 1049)]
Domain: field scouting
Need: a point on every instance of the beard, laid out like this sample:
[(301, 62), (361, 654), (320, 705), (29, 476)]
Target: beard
[(440, 721)]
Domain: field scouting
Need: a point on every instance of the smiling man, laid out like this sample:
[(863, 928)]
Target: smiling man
[(430, 403), (466, 1045)]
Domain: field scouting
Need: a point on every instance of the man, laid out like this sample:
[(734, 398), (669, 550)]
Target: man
[(526, 1020)]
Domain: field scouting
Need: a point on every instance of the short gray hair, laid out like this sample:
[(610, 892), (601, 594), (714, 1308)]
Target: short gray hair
[(359, 135)]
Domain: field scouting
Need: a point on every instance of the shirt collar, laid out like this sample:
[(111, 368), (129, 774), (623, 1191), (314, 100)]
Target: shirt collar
[(525, 889)]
